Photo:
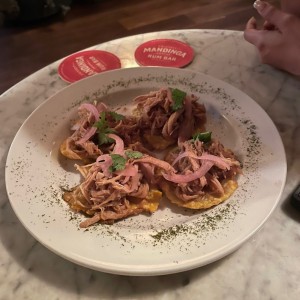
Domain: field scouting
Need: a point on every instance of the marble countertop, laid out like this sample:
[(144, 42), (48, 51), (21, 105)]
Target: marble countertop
[(265, 267)]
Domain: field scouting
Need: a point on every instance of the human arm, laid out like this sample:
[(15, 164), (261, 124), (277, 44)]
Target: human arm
[(279, 46)]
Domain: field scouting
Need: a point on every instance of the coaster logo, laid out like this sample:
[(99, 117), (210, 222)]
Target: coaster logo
[(165, 51)]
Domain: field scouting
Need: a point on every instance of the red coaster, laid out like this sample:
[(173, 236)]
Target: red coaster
[(165, 53), (87, 63)]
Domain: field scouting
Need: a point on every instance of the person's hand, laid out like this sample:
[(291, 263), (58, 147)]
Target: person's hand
[(278, 42)]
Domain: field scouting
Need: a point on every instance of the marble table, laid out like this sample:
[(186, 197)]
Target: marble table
[(266, 267)]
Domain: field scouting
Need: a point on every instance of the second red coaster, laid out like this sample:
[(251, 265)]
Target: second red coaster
[(86, 63)]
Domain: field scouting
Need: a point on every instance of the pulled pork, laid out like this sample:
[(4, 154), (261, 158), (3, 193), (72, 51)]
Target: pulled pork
[(201, 169), (117, 183), (158, 117)]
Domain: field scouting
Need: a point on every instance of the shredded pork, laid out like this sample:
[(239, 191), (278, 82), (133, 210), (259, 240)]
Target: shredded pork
[(157, 117), (219, 164), (116, 184)]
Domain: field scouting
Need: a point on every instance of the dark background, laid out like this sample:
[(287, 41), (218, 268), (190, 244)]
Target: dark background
[(29, 45)]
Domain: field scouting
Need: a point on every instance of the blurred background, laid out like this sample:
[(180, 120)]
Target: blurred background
[(35, 33)]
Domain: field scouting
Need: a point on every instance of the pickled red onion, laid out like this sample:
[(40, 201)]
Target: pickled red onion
[(129, 171), (218, 161), (105, 161), (157, 162), (101, 107), (91, 108), (185, 154), (89, 133), (119, 145), (185, 178)]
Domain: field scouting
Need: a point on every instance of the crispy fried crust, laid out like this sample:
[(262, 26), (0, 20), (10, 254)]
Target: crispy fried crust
[(150, 203), (203, 202), (67, 152), (78, 203), (75, 199)]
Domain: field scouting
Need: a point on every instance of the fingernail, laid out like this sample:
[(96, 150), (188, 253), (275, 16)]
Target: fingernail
[(259, 5)]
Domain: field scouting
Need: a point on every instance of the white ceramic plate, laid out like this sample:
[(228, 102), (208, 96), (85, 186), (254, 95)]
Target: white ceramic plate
[(172, 239)]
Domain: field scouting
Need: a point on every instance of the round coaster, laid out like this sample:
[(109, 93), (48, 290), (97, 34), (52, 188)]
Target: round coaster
[(87, 63), (165, 53)]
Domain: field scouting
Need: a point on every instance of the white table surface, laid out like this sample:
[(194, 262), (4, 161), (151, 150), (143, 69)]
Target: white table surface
[(266, 267)]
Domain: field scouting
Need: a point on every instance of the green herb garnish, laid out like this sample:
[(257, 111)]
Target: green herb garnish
[(118, 163), (116, 116), (204, 137), (178, 97), (133, 154), (103, 130), (103, 138)]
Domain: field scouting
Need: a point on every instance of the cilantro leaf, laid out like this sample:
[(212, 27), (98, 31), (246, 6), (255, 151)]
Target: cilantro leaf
[(102, 121), (116, 116), (103, 130), (103, 138), (178, 97), (133, 154), (118, 162), (204, 137)]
